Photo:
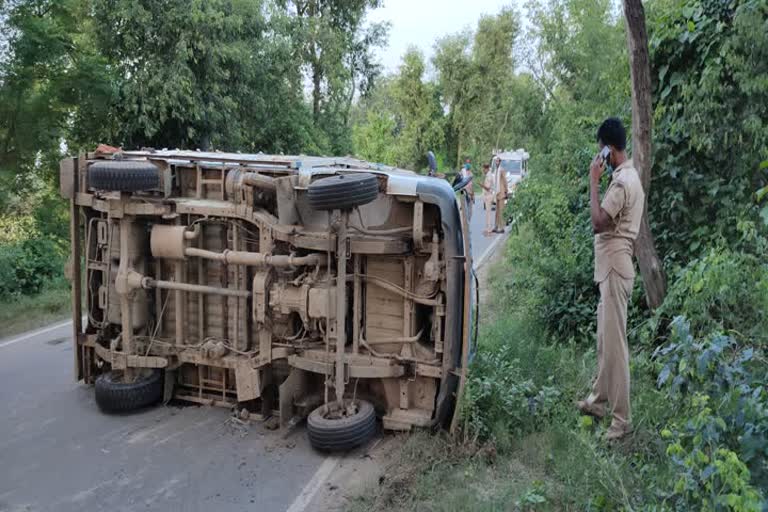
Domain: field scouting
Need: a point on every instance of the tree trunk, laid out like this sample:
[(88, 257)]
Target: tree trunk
[(316, 81), (651, 269), (317, 73)]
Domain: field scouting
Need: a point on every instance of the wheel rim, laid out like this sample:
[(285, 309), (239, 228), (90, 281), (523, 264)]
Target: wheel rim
[(332, 411)]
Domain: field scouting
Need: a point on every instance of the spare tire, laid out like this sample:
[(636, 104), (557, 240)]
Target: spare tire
[(343, 192), (123, 175), (344, 433), (113, 394)]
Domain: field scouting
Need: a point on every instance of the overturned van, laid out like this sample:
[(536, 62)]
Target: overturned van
[(326, 288)]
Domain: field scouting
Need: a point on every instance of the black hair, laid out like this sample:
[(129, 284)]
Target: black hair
[(612, 133)]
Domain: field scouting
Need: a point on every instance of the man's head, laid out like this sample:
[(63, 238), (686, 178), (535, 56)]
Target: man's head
[(612, 134), (486, 167)]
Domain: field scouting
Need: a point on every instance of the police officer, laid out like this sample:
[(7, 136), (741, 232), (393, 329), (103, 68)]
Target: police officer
[(502, 192), (615, 222)]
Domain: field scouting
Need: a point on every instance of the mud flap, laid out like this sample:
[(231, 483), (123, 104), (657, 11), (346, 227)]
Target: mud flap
[(466, 323), (293, 387), (248, 383)]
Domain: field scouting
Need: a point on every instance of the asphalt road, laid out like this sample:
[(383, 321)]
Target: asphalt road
[(59, 453), (481, 244)]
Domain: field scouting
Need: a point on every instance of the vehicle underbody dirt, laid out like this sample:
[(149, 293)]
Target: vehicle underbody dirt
[(271, 283)]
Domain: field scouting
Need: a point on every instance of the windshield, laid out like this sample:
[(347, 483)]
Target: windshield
[(511, 166)]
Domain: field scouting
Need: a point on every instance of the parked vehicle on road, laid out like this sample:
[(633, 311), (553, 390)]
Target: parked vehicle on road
[(288, 286)]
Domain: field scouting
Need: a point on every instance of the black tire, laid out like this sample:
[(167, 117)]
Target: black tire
[(343, 192), (342, 434), (123, 175), (114, 395)]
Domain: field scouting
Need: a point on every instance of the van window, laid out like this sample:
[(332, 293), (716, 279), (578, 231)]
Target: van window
[(512, 166)]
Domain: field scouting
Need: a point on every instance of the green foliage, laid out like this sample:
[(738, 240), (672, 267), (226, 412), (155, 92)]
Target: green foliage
[(710, 64), (476, 103), (571, 43), (26, 266), (723, 291), (710, 478), (502, 401), (488, 104), (720, 387), (52, 76), (375, 138), (335, 45), (549, 257), (221, 74), (533, 498), (33, 243), (401, 119), (203, 74), (418, 112)]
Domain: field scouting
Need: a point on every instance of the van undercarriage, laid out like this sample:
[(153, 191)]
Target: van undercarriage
[(268, 283)]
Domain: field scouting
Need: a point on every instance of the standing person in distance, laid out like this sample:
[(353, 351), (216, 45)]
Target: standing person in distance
[(469, 188), (615, 222), (488, 195), (502, 191)]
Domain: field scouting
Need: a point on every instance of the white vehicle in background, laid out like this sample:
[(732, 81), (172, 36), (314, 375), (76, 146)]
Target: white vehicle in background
[(514, 165)]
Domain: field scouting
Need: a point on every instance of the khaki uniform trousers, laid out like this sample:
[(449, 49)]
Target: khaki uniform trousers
[(488, 202), (500, 204), (612, 382)]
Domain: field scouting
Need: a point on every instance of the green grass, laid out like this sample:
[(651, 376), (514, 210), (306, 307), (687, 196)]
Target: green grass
[(23, 313)]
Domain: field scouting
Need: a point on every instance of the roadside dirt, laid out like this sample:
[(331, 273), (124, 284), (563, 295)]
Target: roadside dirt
[(364, 469), (356, 473), (484, 273)]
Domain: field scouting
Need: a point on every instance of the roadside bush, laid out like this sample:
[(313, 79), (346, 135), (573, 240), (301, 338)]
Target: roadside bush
[(723, 291), (710, 477), (719, 439), (15, 229), (33, 241), (27, 266), (504, 404), (549, 259), (710, 68)]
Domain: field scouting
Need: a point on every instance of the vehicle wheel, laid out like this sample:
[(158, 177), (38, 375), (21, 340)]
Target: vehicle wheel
[(123, 175), (343, 192), (342, 432), (113, 394)]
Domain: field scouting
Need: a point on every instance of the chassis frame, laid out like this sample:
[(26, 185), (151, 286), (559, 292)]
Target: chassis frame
[(223, 278)]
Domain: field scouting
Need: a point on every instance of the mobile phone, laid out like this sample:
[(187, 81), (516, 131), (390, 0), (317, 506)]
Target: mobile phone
[(605, 153)]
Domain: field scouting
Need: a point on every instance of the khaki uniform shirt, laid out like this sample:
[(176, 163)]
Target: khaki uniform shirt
[(488, 182), (500, 184), (623, 202)]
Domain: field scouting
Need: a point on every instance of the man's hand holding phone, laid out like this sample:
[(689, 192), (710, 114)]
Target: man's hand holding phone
[(598, 164)]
